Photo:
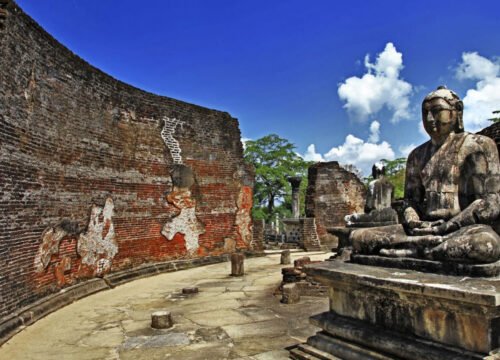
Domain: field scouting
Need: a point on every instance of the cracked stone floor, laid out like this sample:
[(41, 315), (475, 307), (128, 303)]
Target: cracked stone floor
[(230, 318)]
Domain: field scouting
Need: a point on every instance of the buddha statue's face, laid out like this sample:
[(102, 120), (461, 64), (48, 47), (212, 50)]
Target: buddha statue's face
[(439, 118)]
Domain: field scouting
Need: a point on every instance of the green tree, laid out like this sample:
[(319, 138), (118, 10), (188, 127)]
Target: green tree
[(274, 159), (395, 171), (496, 118)]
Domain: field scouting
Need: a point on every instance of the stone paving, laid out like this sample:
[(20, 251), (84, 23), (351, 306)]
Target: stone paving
[(230, 318)]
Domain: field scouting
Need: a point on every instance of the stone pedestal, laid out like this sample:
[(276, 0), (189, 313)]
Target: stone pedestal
[(291, 294), (286, 258), (161, 320), (383, 313), (190, 290), (237, 261)]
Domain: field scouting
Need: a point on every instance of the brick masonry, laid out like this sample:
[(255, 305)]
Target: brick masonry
[(86, 164), (492, 131), (332, 193)]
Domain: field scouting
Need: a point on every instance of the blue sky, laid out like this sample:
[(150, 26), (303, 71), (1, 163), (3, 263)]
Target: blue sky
[(295, 68)]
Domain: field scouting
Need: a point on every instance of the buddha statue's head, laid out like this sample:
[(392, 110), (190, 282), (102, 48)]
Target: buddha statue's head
[(442, 113), (378, 170)]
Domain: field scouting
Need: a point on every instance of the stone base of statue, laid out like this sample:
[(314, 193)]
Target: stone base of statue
[(384, 313), (431, 266), (382, 217)]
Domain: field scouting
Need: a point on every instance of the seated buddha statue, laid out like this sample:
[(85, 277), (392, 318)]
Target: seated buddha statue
[(452, 194), (379, 197)]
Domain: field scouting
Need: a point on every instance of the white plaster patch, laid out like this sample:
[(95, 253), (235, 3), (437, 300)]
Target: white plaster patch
[(186, 222), (51, 238), (97, 246), (167, 134)]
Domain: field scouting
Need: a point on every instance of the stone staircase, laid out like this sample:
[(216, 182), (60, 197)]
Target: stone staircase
[(307, 352)]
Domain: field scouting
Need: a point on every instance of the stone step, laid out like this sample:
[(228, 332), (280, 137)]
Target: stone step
[(345, 349), (307, 352)]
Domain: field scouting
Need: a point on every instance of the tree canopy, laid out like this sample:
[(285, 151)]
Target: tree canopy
[(496, 118), (274, 159)]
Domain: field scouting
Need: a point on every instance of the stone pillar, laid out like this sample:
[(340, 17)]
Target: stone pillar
[(295, 183), (237, 260), (310, 239), (161, 320), (257, 243), (285, 257), (190, 290), (291, 294)]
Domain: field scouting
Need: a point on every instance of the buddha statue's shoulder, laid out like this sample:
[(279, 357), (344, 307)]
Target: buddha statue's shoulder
[(420, 151), (476, 142)]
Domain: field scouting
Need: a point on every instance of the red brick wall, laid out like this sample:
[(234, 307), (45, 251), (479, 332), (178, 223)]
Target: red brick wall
[(332, 193), (72, 137)]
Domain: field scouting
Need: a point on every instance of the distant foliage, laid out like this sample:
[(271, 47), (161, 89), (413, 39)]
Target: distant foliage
[(274, 159), (353, 169), (496, 118)]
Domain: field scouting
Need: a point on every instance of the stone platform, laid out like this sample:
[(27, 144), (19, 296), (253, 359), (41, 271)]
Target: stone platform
[(384, 313), (447, 268)]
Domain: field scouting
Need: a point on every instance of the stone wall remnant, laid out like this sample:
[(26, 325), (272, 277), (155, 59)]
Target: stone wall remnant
[(82, 136), (493, 132), (332, 193)]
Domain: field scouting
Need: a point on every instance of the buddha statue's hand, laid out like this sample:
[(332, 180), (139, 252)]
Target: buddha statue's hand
[(439, 228), (411, 218)]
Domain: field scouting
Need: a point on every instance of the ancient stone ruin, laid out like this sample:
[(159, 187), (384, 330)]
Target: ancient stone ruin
[(98, 177), (427, 288), (332, 193)]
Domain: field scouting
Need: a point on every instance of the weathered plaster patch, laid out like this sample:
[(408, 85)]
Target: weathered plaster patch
[(185, 222), (243, 215), (167, 135), (51, 238), (97, 246)]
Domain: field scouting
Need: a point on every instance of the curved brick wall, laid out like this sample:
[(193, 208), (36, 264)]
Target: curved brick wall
[(97, 176)]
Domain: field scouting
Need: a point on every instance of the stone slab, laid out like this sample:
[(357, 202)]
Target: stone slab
[(16, 321), (482, 291), (451, 311), (448, 268), (341, 336)]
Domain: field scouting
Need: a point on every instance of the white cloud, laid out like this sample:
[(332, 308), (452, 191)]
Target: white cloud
[(312, 155), (476, 67), (374, 132), (356, 151), (244, 142), (485, 98), (380, 87)]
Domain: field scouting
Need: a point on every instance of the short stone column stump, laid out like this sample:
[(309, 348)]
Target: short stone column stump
[(190, 290), (291, 294), (161, 320), (285, 257), (237, 261)]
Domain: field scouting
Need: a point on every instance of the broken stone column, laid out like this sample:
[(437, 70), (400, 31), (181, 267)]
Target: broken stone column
[(161, 320), (291, 294), (295, 183), (190, 290), (285, 257), (237, 260)]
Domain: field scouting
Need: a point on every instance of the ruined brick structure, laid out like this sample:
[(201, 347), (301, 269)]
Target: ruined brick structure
[(97, 176), (332, 193), (492, 131)]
